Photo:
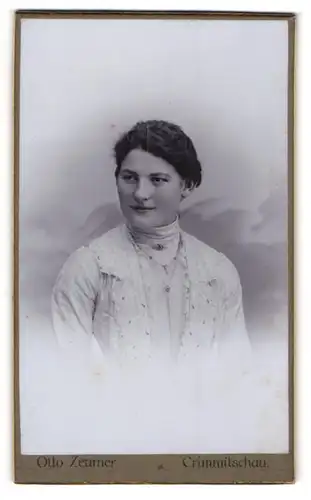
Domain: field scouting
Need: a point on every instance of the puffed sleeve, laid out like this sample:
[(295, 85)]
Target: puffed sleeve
[(74, 299), (234, 343)]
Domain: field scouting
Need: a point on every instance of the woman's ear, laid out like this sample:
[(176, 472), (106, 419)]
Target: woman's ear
[(186, 189)]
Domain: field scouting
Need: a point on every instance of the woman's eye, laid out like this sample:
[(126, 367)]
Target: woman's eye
[(158, 180), (128, 178)]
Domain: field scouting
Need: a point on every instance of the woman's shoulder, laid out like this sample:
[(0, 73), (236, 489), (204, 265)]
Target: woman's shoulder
[(79, 263), (111, 240), (214, 262), (87, 256), (111, 251), (85, 265), (193, 243)]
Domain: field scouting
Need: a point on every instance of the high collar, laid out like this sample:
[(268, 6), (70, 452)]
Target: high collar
[(162, 235)]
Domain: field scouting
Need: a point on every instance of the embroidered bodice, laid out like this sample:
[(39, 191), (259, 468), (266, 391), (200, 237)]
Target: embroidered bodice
[(116, 291)]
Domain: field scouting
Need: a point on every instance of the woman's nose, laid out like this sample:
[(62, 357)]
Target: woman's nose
[(143, 190)]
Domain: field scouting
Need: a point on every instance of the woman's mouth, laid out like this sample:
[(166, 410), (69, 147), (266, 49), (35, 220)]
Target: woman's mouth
[(139, 209)]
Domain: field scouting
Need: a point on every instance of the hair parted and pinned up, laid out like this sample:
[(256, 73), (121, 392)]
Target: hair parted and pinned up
[(164, 140)]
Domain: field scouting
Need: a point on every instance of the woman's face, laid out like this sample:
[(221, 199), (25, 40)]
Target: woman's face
[(150, 190)]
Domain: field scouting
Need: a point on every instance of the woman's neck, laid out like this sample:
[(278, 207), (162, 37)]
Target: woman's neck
[(162, 235)]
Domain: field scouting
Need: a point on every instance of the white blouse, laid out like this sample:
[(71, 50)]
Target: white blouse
[(140, 304)]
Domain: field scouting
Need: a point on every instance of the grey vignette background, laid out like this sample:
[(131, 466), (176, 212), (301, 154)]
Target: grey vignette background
[(225, 82)]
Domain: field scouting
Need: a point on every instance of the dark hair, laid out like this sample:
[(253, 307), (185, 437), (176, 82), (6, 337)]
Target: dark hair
[(164, 140)]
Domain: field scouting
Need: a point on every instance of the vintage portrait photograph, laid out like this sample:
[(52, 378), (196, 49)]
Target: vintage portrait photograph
[(153, 176)]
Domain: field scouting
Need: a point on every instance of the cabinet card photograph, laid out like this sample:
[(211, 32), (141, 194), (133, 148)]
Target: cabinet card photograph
[(153, 247)]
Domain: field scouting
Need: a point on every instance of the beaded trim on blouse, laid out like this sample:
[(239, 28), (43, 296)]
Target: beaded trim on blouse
[(180, 256)]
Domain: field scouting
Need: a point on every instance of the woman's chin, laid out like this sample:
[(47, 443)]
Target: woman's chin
[(144, 220), (141, 223)]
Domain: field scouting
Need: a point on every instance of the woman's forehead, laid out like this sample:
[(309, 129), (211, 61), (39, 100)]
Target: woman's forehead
[(144, 163)]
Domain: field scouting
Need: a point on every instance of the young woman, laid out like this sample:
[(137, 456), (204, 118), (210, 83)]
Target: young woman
[(146, 291)]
